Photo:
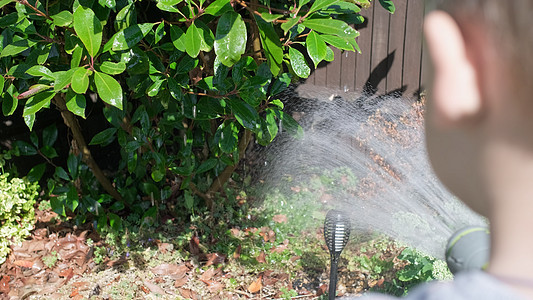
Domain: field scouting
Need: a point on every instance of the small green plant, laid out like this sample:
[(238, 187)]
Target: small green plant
[(50, 260), (421, 268), (17, 215), (287, 294)]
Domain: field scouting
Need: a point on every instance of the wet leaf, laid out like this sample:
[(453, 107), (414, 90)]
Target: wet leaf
[(271, 45), (230, 40), (331, 26), (108, 89), (88, 28), (316, 47), (298, 63)]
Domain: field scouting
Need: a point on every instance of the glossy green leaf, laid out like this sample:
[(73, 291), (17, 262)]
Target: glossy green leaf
[(1, 84), (331, 26), (115, 222), (9, 104), (125, 17), (289, 24), (76, 103), (193, 40), (108, 3), (35, 174), (316, 47), (271, 45), (175, 89), (37, 102), (168, 5), (61, 173), (321, 4), (104, 137), (388, 5), (290, 125), (218, 7), (62, 19), (208, 38), (50, 135), (88, 28), (128, 37), (178, 38), (40, 71), (112, 68), (29, 120), (298, 63), (329, 55), (229, 137), (268, 17), (108, 89), (207, 165), (72, 165), (5, 2), (49, 152), (337, 42), (80, 80), (245, 114), (63, 78), (76, 57), (230, 41), (25, 148), (159, 32), (16, 47)]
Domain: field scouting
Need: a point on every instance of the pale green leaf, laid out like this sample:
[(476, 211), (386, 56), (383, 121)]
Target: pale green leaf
[(230, 41), (218, 7), (80, 80), (298, 63), (321, 4), (37, 102), (40, 71), (129, 37), (62, 19), (193, 40), (112, 68), (76, 103), (88, 28), (337, 42), (316, 47), (331, 26), (108, 89), (178, 38)]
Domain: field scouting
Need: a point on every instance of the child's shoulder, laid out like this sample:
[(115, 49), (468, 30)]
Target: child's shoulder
[(467, 286)]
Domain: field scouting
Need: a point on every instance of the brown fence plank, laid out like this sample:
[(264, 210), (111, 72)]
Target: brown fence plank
[(396, 46), (333, 70), (362, 67), (413, 46), (380, 41), (348, 60), (321, 74)]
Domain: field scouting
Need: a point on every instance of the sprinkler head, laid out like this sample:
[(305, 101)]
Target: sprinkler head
[(336, 234), (468, 249), (336, 231)]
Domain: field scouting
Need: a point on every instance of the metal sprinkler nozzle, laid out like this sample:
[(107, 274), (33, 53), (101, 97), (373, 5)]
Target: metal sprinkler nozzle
[(336, 234)]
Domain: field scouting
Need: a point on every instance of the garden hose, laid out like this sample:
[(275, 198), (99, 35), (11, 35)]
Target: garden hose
[(468, 249)]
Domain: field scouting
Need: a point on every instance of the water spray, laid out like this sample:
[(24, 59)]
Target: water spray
[(336, 234), (468, 249)]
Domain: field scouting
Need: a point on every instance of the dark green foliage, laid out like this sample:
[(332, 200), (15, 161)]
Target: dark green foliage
[(183, 86)]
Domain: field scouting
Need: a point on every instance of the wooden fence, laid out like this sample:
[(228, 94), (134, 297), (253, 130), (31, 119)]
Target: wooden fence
[(391, 54)]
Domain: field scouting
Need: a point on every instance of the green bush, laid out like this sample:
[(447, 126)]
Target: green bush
[(184, 87), (17, 197)]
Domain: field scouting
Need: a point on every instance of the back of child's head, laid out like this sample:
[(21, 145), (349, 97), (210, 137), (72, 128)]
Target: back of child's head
[(509, 24)]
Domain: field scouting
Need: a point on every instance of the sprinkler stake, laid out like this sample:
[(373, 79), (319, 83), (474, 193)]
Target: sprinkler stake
[(336, 234)]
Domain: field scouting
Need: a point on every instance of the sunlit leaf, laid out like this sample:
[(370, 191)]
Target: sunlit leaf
[(88, 28), (80, 80), (316, 47), (298, 63), (108, 89), (193, 41)]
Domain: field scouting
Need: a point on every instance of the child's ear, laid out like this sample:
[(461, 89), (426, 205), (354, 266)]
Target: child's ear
[(455, 94)]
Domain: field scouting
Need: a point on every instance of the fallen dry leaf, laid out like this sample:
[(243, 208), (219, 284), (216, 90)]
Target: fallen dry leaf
[(261, 258), (181, 282), (4, 284), (237, 252), (296, 189), (280, 218), (154, 288), (215, 259), (256, 286), (23, 263), (188, 294), (173, 270), (74, 293), (207, 275)]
